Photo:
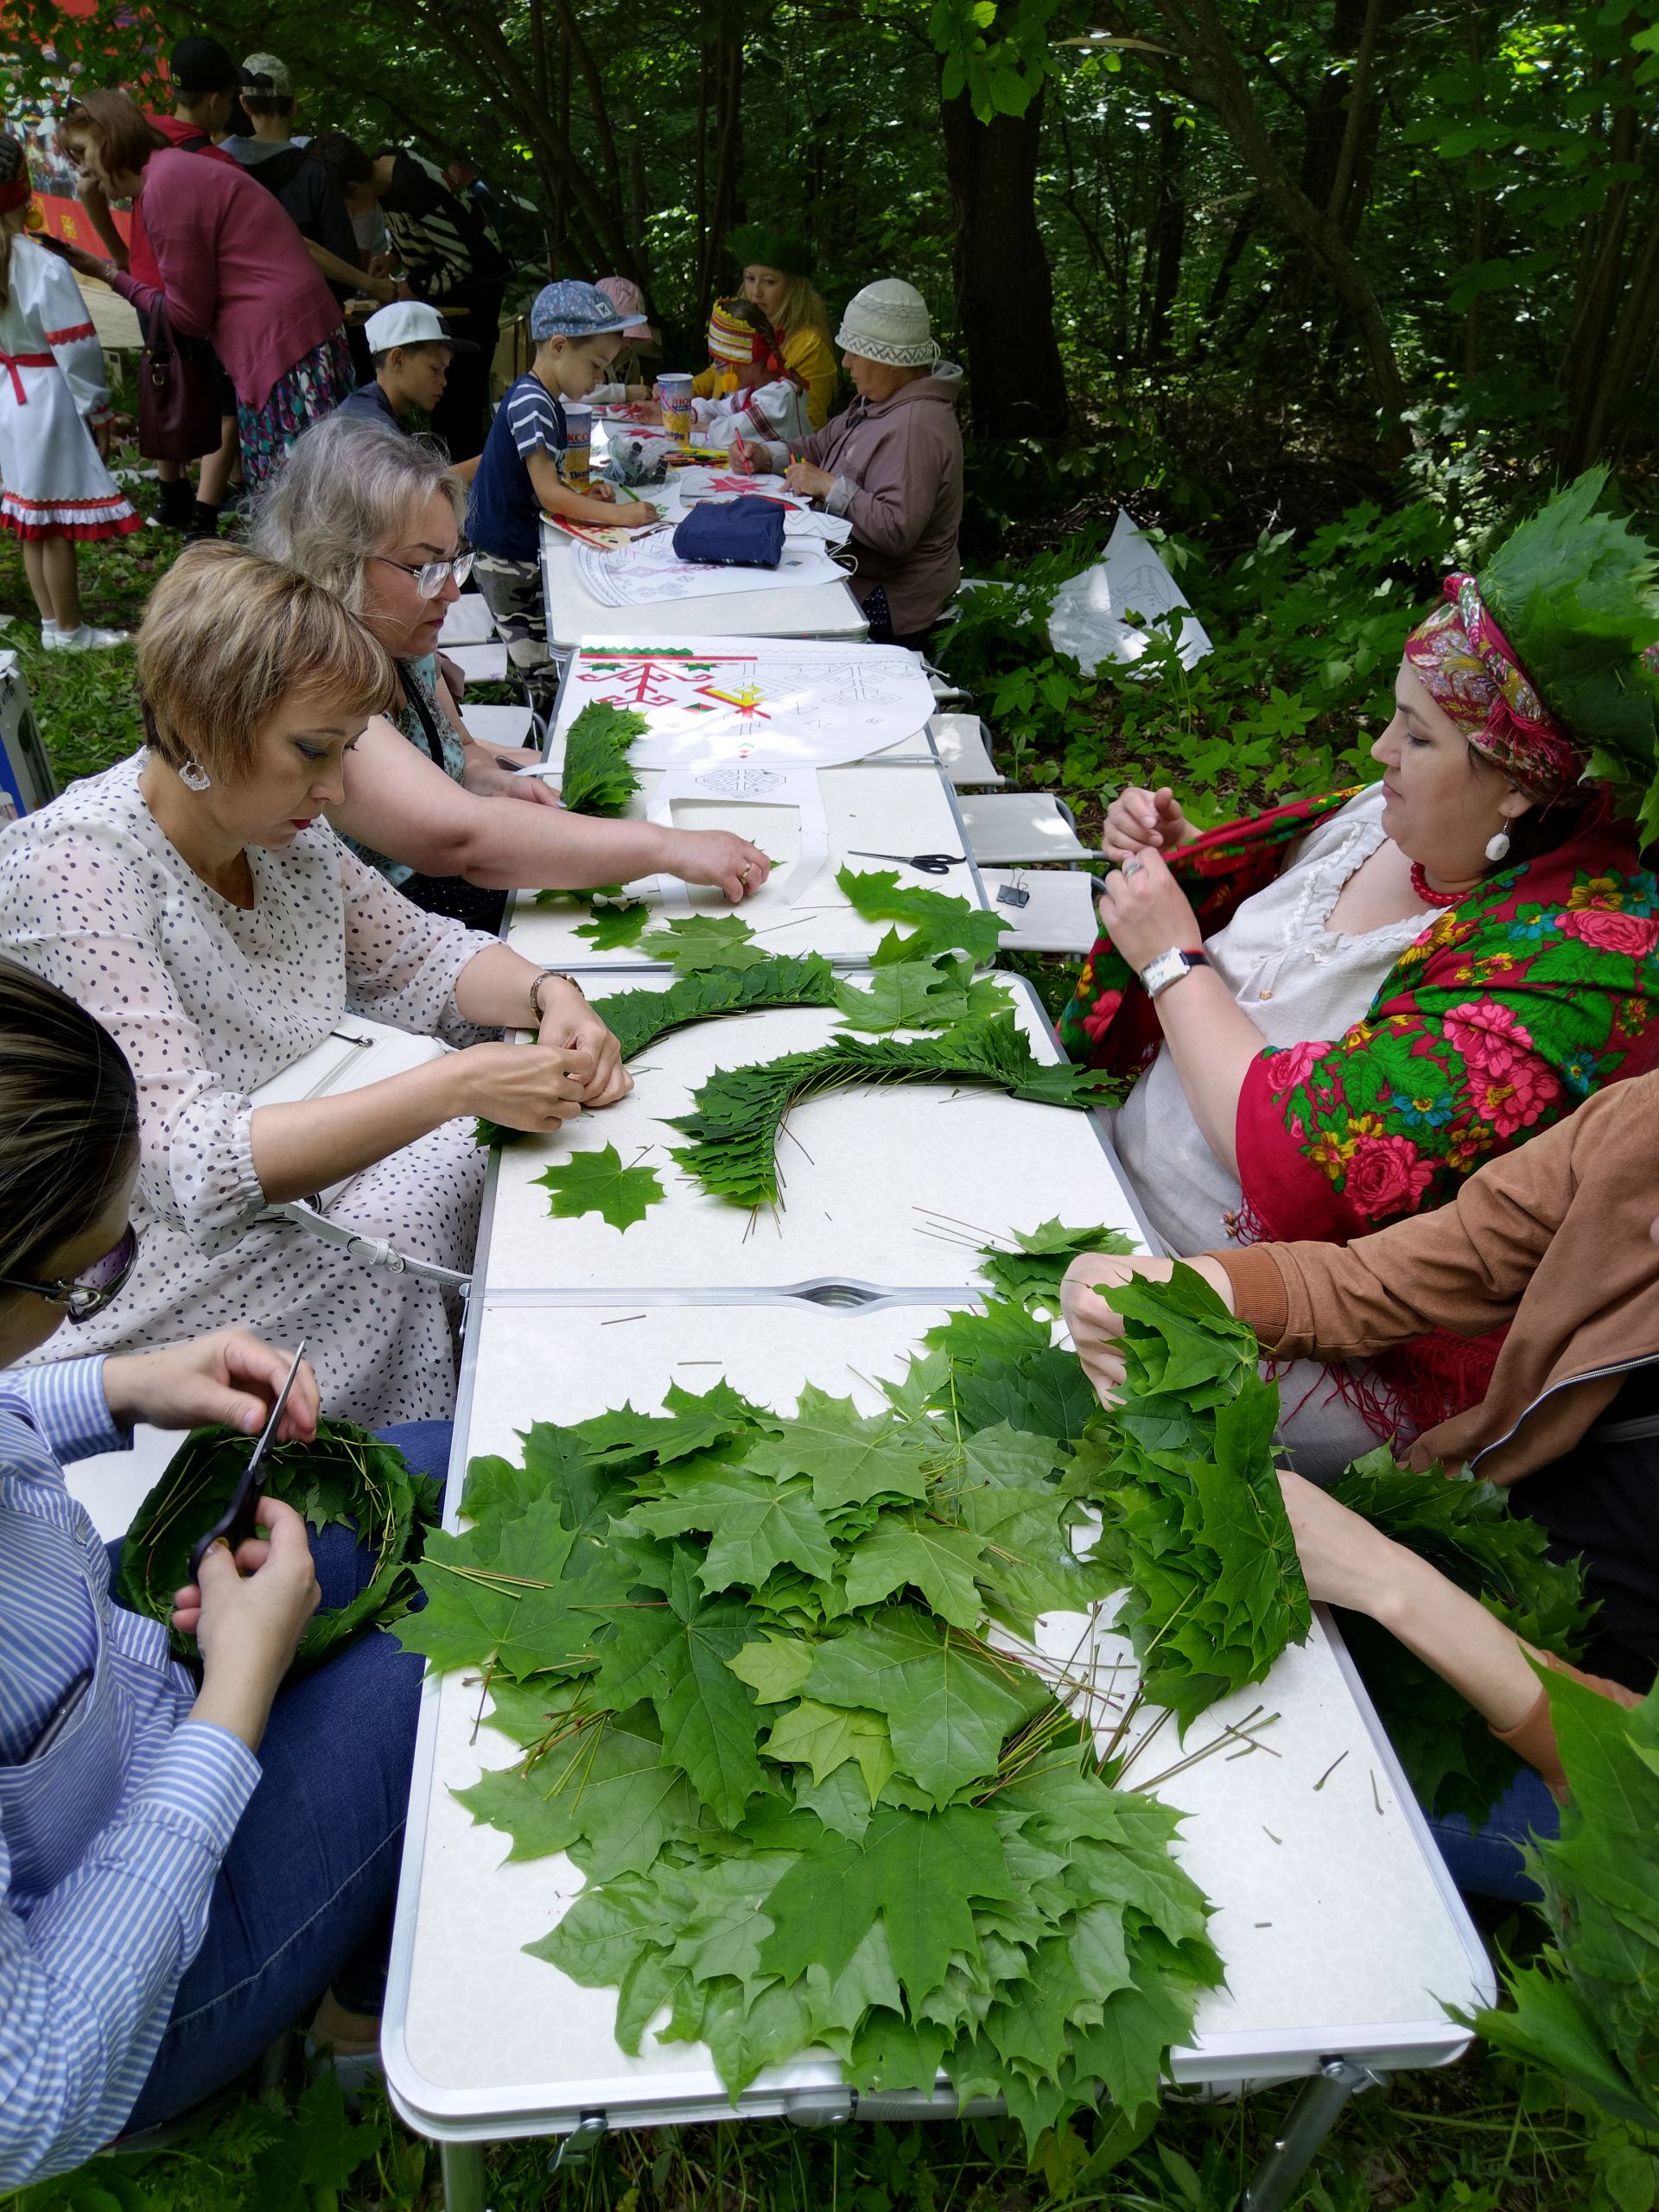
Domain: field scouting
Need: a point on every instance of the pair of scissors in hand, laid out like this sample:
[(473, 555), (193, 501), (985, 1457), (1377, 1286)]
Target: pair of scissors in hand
[(929, 863), (236, 1523)]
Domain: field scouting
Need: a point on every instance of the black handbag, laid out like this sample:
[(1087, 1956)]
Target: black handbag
[(178, 393)]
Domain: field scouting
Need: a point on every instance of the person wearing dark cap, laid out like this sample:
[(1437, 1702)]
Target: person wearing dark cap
[(450, 255), (778, 271)]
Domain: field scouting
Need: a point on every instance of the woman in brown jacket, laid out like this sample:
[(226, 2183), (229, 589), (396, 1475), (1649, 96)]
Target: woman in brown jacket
[(1556, 1242), (892, 464)]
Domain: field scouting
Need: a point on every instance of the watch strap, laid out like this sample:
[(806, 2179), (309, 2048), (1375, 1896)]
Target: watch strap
[(1169, 968)]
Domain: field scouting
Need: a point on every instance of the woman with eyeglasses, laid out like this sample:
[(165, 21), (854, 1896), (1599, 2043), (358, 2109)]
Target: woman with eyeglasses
[(375, 518), (194, 901), (186, 1864)]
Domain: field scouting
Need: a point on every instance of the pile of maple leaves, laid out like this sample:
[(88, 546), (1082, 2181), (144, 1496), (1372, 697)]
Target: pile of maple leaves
[(773, 1684)]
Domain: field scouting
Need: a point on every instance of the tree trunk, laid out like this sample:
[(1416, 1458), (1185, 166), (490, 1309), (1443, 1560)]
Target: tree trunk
[(1166, 234), (727, 64), (1005, 299)]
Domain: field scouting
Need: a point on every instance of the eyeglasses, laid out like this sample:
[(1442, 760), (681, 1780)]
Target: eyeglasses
[(432, 575), (90, 1293)]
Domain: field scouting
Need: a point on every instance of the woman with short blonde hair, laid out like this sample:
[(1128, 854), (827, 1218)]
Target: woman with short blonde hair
[(195, 900), (778, 271)]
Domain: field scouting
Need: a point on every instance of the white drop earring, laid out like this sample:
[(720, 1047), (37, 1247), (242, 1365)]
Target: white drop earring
[(195, 777), (1497, 846)]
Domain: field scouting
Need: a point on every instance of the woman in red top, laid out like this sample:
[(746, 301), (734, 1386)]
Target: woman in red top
[(234, 269)]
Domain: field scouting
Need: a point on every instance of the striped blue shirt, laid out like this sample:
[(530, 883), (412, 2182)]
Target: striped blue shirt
[(111, 1835)]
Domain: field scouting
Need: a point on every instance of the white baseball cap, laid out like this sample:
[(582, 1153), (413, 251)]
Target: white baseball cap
[(411, 322)]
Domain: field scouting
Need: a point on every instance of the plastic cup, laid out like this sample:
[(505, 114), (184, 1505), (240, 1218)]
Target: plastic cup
[(578, 444), (674, 395)]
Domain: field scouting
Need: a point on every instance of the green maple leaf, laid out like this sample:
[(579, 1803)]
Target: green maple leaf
[(476, 1586), (1045, 1393), (943, 924), (755, 1521), (950, 1705), (916, 994), (705, 941), (850, 1457), (612, 926), (917, 1871), (605, 1796), (676, 1656), (1035, 1269), (826, 1737), (597, 1182), (939, 1561), (776, 1668)]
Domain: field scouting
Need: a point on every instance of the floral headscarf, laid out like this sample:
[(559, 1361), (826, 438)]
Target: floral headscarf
[(1472, 673)]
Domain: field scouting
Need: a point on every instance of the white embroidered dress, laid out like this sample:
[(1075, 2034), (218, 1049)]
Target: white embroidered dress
[(52, 389), (209, 1000)]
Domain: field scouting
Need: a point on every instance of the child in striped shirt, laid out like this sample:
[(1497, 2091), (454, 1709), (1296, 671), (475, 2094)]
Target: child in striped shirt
[(577, 331)]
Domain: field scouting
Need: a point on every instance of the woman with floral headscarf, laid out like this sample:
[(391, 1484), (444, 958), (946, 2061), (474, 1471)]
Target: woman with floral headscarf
[(1366, 996)]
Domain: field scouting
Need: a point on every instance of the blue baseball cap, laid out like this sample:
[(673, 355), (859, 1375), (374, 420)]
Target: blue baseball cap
[(572, 310)]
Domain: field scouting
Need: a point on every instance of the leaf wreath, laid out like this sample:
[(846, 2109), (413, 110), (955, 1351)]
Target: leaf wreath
[(739, 1111)]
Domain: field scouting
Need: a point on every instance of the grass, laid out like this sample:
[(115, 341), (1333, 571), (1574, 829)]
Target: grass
[(1482, 2136)]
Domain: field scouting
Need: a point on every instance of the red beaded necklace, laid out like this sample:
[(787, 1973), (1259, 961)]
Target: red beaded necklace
[(1425, 892)]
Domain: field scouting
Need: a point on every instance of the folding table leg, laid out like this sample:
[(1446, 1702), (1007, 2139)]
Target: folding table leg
[(1315, 2113), (462, 2167)]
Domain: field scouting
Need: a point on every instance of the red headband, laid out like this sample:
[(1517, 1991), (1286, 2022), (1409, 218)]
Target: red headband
[(1471, 672), (17, 194)]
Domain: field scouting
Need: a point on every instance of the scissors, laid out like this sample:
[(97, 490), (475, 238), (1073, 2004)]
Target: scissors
[(929, 863), (236, 1523)]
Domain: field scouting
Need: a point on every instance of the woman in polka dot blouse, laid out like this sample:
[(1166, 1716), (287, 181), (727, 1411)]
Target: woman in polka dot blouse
[(193, 899)]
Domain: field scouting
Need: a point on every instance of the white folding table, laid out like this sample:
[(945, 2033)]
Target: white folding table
[(1343, 1935), (825, 610), (885, 810), (888, 1188)]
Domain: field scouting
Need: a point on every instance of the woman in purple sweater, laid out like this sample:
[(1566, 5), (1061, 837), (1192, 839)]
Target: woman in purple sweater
[(234, 269)]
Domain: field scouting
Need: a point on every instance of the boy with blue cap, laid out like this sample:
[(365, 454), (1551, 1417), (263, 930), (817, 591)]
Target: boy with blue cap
[(576, 330)]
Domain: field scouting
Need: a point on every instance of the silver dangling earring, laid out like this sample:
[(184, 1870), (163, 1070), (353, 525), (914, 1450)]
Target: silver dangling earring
[(195, 777), (1497, 846)]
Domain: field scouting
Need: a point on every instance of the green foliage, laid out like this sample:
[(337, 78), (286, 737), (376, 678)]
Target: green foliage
[(743, 1657), (1031, 1272), (738, 1113), (596, 777), (919, 995), (597, 1182), (636, 1019), (943, 924), (1198, 1529), (344, 1475), (1466, 1529), (1589, 2011), (613, 926), (705, 941)]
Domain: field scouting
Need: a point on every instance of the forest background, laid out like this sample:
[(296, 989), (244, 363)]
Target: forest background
[(1326, 295)]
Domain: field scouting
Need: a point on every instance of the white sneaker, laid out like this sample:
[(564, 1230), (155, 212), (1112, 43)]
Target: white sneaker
[(87, 640)]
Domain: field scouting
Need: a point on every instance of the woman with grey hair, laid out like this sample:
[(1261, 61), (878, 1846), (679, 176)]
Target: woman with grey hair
[(375, 518)]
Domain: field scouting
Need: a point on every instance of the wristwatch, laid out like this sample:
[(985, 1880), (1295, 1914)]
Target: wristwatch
[(1169, 968), (554, 976)]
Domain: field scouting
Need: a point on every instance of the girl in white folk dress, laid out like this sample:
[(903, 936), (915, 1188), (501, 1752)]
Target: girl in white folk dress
[(57, 491)]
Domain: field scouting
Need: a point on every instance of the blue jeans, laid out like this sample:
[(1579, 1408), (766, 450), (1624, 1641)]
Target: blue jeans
[(1485, 1862), (305, 1893)]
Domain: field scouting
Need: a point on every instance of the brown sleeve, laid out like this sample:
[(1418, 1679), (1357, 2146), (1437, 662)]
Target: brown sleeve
[(1258, 1287), (1462, 1268), (1534, 1737)]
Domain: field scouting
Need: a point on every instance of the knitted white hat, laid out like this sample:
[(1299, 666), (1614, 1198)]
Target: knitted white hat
[(887, 322)]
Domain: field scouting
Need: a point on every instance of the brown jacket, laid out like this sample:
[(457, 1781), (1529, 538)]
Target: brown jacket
[(1552, 1238), (898, 470)]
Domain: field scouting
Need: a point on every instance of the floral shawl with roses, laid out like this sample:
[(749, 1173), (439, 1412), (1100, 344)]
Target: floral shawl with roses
[(1542, 987)]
